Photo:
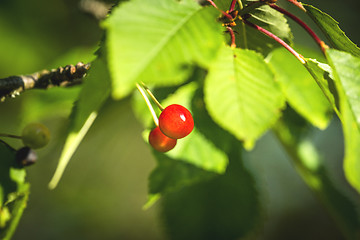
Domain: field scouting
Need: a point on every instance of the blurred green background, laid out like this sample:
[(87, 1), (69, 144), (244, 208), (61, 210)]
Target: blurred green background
[(105, 185)]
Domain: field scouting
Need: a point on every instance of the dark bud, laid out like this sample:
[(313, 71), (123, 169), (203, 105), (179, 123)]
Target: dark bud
[(25, 156)]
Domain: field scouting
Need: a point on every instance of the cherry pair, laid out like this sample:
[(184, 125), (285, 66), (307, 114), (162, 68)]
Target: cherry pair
[(175, 122)]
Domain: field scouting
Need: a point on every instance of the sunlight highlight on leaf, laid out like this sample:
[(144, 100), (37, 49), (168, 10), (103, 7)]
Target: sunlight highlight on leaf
[(346, 68), (300, 89), (72, 142), (95, 91), (158, 41), (241, 94)]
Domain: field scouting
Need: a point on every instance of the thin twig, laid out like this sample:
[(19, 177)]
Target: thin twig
[(232, 6), (62, 76), (277, 39), (223, 12), (232, 35), (321, 44)]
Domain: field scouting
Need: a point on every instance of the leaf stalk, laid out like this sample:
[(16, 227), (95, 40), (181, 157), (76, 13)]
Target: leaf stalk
[(321, 44), (277, 39)]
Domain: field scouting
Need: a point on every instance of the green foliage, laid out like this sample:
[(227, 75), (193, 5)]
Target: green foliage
[(322, 75), (236, 94), (241, 94), (347, 74), (171, 175), (224, 207), (332, 31), (347, 68), (14, 191), (155, 52), (269, 19), (294, 133), (300, 89)]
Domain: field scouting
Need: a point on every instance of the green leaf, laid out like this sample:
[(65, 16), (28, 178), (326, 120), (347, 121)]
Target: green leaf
[(14, 191), (192, 160), (332, 31), (171, 175), (17, 209), (347, 75), (300, 89), (7, 185), (224, 207), (12, 176), (241, 94), (269, 19), (294, 134), (206, 125), (347, 69), (322, 74), (199, 151), (157, 41), (95, 91), (352, 149)]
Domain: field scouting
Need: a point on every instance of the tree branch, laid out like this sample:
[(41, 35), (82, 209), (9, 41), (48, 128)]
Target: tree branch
[(62, 76)]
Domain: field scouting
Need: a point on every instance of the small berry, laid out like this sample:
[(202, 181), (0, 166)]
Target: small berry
[(160, 142), (175, 121), (25, 156), (35, 135)]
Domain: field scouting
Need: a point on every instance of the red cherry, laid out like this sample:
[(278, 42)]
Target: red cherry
[(175, 121), (160, 142)]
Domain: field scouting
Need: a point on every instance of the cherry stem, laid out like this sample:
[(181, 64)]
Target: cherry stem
[(232, 6), (276, 38), (321, 44), (297, 4), (152, 97), (10, 136), (148, 103), (232, 35), (224, 13)]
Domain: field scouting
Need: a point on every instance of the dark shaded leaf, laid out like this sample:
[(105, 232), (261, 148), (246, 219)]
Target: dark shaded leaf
[(293, 133), (14, 191), (224, 207), (332, 31)]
